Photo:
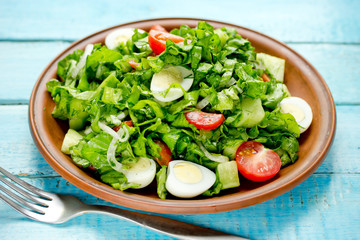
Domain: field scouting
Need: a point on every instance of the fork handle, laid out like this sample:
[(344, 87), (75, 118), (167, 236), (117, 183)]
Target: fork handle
[(168, 226)]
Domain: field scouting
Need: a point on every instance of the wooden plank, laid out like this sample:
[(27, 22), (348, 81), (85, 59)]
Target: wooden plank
[(327, 33), (294, 21), (16, 144), (338, 64), (345, 151), (309, 211), (22, 64)]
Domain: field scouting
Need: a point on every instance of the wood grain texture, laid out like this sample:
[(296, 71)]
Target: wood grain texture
[(24, 62), (325, 32), (297, 214), (338, 64), (295, 21)]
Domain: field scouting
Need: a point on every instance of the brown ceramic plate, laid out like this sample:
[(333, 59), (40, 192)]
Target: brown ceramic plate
[(301, 78)]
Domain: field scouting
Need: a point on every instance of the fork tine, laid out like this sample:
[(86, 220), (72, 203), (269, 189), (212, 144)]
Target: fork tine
[(19, 208), (20, 200), (26, 185), (29, 196)]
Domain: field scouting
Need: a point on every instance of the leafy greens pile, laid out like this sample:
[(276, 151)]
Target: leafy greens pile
[(103, 87)]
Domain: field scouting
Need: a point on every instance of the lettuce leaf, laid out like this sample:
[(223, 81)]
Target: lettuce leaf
[(161, 182), (278, 121), (65, 65), (225, 73)]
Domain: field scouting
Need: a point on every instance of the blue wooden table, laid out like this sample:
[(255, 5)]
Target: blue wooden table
[(327, 33)]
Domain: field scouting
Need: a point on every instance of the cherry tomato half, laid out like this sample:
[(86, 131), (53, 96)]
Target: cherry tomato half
[(165, 153), (257, 163), (158, 27), (157, 40), (203, 120), (129, 123)]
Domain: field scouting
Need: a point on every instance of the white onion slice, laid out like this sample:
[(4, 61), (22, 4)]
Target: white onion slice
[(143, 178), (72, 66), (82, 60), (121, 116), (203, 103), (238, 88), (108, 130), (215, 158), (110, 156), (231, 82), (88, 130), (123, 134)]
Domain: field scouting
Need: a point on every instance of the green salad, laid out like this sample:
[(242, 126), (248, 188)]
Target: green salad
[(176, 109)]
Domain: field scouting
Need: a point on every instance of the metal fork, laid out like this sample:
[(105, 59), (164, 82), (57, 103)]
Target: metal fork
[(57, 208)]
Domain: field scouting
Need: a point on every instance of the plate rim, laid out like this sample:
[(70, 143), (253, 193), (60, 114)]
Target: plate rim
[(188, 206)]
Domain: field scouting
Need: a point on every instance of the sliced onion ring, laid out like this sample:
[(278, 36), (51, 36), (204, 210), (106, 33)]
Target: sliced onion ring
[(110, 157), (82, 60), (122, 135), (215, 158), (203, 103)]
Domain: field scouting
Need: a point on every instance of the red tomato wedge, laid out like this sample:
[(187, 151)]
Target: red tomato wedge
[(203, 120), (129, 123), (157, 40), (158, 27), (265, 77), (92, 168), (133, 64), (165, 154), (257, 163)]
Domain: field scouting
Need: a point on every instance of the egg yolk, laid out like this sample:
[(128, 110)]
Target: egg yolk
[(187, 173), (167, 76), (293, 110)]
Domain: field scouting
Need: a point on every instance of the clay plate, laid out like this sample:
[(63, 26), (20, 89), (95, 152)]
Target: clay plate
[(301, 78)]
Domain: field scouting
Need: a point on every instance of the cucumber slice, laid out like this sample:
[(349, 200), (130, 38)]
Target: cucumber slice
[(78, 117), (275, 65), (228, 174), (79, 121), (71, 138)]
